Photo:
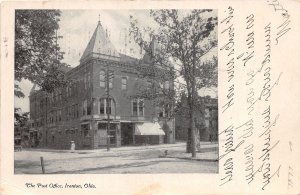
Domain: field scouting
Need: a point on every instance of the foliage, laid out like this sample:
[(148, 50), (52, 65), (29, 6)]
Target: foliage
[(21, 118), (37, 54), (180, 44), (18, 92)]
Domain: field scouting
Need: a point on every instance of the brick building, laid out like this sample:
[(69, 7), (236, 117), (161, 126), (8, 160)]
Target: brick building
[(80, 112), (206, 119)]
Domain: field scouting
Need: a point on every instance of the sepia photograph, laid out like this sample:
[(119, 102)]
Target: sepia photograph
[(116, 91)]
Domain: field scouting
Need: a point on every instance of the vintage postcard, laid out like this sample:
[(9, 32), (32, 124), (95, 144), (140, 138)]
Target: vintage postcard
[(150, 97)]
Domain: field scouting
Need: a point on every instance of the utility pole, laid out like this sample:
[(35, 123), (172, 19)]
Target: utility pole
[(108, 104)]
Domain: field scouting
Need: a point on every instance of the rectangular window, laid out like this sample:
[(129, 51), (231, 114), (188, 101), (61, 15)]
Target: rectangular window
[(84, 80), (134, 107), (56, 116), (113, 126), (66, 113), (85, 129), (59, 115), (111, 77), (161, 114), (102, 126), (73, 111), (77, 112), (141, 107), (102, 78), (124, 83), (70, 112), (138, 107), (102, 106), (89, 79), (84, 107)]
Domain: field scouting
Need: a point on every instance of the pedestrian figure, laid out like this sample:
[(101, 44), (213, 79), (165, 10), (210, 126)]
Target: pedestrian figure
[(72, 146)]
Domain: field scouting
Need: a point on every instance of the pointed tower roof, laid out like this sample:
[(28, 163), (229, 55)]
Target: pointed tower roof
[(100, 46)]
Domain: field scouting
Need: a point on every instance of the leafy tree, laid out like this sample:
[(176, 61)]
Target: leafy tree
[(37, 54), (184, 38)]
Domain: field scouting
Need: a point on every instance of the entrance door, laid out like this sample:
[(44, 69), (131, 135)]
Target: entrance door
[(102, 133), (112, 133), (127, 132)]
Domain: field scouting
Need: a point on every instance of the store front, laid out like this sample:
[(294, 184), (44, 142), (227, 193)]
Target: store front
[(127, 134), (148, 134)]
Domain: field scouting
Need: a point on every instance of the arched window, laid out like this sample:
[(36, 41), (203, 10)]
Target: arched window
[(124, 83), (108, 106), (89, 107), (102, 106)]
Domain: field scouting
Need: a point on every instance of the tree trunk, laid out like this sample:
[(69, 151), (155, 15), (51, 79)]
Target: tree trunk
[(193, 140), (189, 140), (192, 119)]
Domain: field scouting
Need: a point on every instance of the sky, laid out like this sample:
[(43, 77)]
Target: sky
[(76, 28)]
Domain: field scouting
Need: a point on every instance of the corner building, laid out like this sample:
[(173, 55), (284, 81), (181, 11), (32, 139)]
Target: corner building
[(79, 112)]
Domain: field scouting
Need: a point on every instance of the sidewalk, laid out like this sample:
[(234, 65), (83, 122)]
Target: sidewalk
[(125, 148), (209, 152), (200, 156), (131, 159)]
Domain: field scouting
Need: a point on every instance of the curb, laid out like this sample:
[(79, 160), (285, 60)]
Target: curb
[(190, 158)]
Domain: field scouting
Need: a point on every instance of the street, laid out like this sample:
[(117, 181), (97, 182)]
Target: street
[(133, 159)]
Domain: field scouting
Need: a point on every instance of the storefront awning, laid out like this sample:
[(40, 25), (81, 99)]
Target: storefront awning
[(149, 129)]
